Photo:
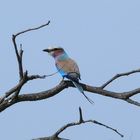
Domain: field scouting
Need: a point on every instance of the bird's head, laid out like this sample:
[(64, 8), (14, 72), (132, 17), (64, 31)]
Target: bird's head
[(54, 51)]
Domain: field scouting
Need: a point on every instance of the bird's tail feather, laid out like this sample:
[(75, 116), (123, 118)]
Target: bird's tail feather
[(79, 87)]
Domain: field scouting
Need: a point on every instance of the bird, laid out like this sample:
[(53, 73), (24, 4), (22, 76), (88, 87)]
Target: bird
[(67, 67)]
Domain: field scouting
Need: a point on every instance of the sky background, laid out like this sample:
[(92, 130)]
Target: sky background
[(103, 36)]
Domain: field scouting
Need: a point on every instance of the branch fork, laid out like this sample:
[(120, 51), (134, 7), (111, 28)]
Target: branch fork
[(23, 76), (55, 136)]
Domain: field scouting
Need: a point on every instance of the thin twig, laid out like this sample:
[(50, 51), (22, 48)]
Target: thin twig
[(55, 136), (133, 102), (19, 57), (32, 29), (21, 65), (59, 69), (82, 121), (20, 53), (80, 115), (115, 130), (52, 74), (18, 87), (50, 138), (32, 77), (119, 75)]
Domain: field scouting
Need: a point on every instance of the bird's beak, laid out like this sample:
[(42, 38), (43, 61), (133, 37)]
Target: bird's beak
[(46, 50)]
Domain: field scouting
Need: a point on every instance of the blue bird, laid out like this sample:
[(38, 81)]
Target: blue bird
[(67, 67)]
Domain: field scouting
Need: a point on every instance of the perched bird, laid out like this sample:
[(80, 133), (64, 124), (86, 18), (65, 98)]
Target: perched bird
[(67, 67)]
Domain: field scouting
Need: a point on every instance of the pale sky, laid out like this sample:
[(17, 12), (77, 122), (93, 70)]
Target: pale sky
[(102, 36)]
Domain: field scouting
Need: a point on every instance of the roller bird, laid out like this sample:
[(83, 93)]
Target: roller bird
[(67, 67)]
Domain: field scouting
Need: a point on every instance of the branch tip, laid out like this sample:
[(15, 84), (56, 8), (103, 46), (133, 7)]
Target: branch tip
[(117, 76), (80, 115)]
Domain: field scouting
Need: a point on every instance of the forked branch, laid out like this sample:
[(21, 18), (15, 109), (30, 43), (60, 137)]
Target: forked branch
[(23, 76), (55, 136), (19, 53)]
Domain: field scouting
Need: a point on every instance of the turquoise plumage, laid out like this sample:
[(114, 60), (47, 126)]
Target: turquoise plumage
[(67, 67)]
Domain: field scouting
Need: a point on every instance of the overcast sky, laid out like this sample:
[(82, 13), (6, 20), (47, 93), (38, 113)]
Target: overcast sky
[(103, 36)]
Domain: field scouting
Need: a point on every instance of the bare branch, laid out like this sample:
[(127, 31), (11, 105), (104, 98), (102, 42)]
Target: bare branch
[(96, 122), (50, 138), (18, 87), (81, 121), (125, 96), (19, 56), (119, 75), (32, 29), (32, 77), (21, 66), (80, 115), (133, 102)]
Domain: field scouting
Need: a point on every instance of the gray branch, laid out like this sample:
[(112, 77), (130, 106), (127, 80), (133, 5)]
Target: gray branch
[(19, 53), (23, 76), (125, 96), (32, 29), (118, 76), (55, 136)]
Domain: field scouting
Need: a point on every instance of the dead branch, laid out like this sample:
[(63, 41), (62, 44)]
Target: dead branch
[(19, 53), (55, 136), (118, 76), (22, 75), (32, 29), (125, 96), (18, 87)]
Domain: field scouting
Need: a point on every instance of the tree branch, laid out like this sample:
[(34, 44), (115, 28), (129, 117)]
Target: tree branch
[(55, 136), (118, 76), (22, 76), (19, 57), (18, 87), (19, 53), (133, 102), (125, 96), (32, 29)]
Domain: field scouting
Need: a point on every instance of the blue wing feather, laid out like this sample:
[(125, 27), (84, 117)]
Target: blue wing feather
[(61, 71)]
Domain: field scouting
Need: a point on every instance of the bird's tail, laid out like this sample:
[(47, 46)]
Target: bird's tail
[(79, 87)]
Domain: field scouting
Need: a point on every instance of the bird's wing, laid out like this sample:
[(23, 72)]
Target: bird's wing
[(67, 66)]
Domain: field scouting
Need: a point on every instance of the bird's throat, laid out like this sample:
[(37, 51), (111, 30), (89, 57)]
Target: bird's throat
[(62, 56)]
